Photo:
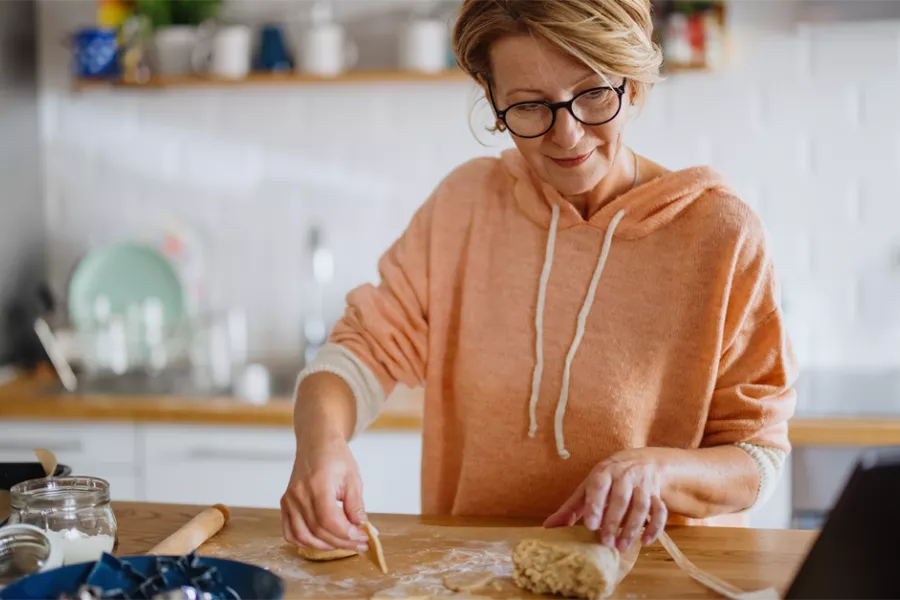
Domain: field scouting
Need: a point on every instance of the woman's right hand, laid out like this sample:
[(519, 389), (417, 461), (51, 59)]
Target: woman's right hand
[(324, 474)]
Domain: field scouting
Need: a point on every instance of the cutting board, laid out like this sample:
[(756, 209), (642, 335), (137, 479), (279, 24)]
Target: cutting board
[(418, 556), (420, 550)]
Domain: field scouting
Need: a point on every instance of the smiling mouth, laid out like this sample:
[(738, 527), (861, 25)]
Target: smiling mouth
[(574, 161)]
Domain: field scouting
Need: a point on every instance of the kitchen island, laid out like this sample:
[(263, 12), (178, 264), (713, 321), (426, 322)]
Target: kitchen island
[(421, 550)]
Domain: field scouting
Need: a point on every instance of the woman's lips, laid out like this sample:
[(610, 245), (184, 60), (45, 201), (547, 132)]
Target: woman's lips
[(572, 162)]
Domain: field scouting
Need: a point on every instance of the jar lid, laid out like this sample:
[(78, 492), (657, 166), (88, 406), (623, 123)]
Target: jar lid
[(59, 493), (25, 550)]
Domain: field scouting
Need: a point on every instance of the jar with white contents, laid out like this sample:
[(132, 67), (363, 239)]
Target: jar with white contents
[(73, 511)]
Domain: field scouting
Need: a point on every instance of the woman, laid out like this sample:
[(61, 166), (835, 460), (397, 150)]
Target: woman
[(599, 338)]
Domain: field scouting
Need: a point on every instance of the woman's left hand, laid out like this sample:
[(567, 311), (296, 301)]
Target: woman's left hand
[(617, 498)]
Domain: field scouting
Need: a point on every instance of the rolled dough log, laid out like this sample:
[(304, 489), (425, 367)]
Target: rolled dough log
[(570, 568), (324, 555)]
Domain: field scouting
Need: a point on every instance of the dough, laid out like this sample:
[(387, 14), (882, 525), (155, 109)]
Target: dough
[(376, 552), (467, 582), (323, 555), (569, 568)]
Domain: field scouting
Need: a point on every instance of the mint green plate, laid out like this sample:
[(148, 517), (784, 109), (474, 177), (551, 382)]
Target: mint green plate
[(126, 273)]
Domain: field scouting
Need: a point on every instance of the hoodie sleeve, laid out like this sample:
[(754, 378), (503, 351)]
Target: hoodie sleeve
[(754, 393), (382, 338)]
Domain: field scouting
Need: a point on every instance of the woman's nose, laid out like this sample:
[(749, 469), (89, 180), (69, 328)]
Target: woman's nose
[(567, 131)]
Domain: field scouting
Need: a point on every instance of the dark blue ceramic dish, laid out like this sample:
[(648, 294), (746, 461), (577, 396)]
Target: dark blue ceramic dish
[(145, 576)]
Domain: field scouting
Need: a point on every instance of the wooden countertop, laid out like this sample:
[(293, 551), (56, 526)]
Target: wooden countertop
[(27, 398), (420, 551), (34, 398)]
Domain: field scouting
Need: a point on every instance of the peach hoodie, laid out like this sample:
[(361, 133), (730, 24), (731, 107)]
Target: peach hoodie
[(545, 342)]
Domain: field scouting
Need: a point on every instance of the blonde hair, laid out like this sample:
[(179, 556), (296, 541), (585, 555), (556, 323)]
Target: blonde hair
[(612, 37)]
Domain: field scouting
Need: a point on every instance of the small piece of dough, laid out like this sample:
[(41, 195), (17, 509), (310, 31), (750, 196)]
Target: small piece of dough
[(376, 552), (323, 555), (569, 568), (467, 582)]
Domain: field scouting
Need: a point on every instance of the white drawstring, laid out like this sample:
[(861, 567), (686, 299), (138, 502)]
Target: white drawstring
[(579, 333), (579, 330), (539, 323)]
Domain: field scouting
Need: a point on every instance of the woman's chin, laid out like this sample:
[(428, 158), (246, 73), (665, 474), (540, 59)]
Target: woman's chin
[(574, 183)]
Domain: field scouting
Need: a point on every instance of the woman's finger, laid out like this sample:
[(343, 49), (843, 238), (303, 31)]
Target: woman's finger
[(568, 513), (306, 524), (596, 499), (618, 501), (634, 519), (354, 509), (297, 530), (332, 527), (658, 516)]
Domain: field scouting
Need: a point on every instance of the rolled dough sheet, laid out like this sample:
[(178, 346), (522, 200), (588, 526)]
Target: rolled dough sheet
[(324, 555), (570, 568), (467, 582), (376, 552)]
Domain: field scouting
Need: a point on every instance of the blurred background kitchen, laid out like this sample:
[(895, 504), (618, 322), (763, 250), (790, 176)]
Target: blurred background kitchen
[(191, 187)]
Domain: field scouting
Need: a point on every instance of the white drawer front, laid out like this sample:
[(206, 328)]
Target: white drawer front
[(76, 444), (390, 464), (236, 466)]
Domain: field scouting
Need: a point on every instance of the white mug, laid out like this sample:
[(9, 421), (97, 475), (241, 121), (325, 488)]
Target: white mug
[(225, 52), (424, 45), (173, 48), (325, 50)]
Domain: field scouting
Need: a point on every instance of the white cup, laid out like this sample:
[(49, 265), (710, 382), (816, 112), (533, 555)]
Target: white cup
[(325, 50), (424, 45), (173, 48), (225, 52)]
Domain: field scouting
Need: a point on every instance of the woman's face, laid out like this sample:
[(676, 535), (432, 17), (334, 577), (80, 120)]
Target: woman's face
[(571, 157)]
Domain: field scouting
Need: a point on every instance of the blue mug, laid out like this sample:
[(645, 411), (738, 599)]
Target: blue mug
[(95, 53), (273, 51)]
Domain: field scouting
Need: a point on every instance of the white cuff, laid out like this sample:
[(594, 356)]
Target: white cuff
[(770, 463), (367, 391)]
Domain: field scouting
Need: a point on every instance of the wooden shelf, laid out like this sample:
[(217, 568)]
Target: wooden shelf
[(262, 79)]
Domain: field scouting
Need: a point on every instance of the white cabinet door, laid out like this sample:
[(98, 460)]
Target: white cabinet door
[(246, 466), (235, 466), (99, 450), (390, 463)]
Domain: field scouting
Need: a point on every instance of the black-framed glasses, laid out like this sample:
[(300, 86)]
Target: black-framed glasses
[(534, 118)]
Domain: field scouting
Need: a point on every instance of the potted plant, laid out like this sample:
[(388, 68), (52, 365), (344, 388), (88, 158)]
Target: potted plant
[(176, 30)]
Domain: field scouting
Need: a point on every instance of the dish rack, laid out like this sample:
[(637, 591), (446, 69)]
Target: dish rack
[(207, 348)]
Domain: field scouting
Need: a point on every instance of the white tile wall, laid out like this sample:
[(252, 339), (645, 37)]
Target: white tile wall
[(805, 122)]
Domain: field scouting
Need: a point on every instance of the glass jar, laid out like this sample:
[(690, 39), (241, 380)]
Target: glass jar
[(74, 512)]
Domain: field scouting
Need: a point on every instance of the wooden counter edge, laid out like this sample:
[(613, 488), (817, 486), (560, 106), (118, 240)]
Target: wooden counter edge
[(21, 399)]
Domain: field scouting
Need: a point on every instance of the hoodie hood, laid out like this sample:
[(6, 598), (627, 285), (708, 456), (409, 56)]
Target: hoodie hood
[(647, 207), (633, 215)]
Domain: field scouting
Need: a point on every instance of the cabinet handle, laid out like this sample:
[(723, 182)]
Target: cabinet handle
[(70, 446), (204, 454)]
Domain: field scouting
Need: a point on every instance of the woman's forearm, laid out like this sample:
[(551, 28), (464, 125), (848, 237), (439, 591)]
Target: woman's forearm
[(707, 481), (325, 407)]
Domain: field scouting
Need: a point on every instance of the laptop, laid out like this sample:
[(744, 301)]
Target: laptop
[(857, 552)]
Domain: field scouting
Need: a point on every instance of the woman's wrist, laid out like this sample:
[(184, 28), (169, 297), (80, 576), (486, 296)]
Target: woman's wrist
[(702, 482)]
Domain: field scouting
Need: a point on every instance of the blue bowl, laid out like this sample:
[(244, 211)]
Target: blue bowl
[(246, 580)]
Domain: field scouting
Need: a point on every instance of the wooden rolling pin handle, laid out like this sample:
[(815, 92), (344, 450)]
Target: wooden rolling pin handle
[(194, 533)]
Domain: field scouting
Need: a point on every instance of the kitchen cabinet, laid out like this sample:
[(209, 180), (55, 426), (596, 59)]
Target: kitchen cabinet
[(232, 465), (103, 450)]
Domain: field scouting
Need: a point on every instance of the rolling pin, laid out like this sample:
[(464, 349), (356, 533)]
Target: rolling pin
[(192, 534)]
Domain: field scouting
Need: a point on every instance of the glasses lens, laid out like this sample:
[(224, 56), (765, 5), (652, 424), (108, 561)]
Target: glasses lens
[(596, 106), (529, 119)]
